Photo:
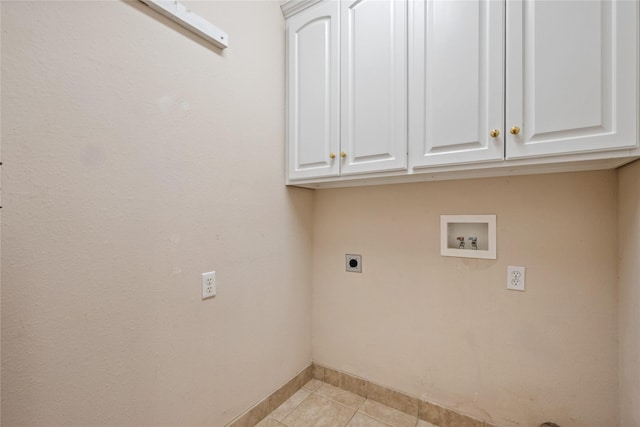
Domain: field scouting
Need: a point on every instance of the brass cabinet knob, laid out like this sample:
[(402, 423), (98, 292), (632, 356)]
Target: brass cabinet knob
[(332, 156), (343, 154), (515, 130), (494, 133)]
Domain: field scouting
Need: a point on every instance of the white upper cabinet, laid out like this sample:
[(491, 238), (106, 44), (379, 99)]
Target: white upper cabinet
[(373, 86), (572, 79), (313, 92), (384, 91), (456, 83)]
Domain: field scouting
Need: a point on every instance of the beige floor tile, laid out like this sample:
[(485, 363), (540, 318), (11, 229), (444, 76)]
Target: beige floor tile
[(289, 405), (312, 385), (347, 398), (269, 422), (317, 411), (386, 414), (423, 423), (361, 420)]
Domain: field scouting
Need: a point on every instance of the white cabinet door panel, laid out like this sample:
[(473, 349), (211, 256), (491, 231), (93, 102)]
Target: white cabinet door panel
[(313, 74), (456, 82), (374, 86), (571, 76)]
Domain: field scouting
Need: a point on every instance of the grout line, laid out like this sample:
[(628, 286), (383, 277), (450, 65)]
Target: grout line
[(292, 409), (256, 410), (357, 409), (340, 403), (335, 401), (349, 420), (403, 395), (392, 409), (396, 393), (360, 406), (354, 414)]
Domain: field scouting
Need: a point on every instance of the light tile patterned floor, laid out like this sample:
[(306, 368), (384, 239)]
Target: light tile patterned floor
[(319, 404)]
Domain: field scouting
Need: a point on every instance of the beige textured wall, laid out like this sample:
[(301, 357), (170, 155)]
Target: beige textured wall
[(446, 329), (629, 292), (135, 158)]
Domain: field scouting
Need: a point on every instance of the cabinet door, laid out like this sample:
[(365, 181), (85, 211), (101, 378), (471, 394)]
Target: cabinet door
[(374, 85), (313, 92), (456, 82), (571, 76)]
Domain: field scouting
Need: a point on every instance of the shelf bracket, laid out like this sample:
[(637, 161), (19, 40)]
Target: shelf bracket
[(189, 20)]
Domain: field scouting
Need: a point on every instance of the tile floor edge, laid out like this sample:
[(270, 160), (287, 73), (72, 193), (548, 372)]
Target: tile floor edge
[(264, 407), (424, 410)]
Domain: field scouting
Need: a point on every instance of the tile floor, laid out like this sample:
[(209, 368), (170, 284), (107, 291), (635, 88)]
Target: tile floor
[(318, 404)]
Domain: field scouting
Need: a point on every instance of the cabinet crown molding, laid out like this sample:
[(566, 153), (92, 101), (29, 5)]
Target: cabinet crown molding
[(292, 7)]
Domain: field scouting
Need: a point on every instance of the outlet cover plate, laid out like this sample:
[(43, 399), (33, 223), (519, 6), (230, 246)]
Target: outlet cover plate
[(515, 278), (208, 284), (353, 263)]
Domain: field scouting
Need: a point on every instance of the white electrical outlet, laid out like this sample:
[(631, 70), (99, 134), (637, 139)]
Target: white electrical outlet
[(208, 284), (515, 278)]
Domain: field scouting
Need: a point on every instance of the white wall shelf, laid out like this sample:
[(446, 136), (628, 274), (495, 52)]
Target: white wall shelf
[(189, 20)]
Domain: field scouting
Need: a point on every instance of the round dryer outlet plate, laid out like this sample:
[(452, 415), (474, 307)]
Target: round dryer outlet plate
[(353, 263)]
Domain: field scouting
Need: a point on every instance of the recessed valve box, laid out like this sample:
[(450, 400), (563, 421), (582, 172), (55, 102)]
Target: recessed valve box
[(468, 236)]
